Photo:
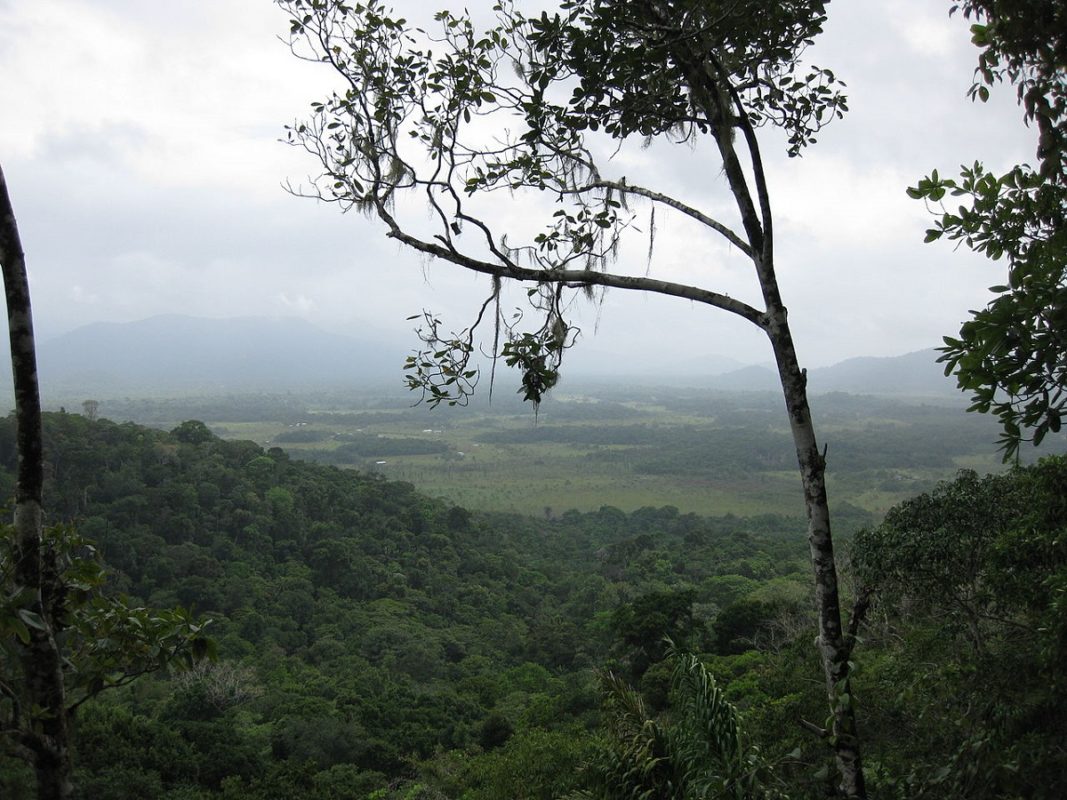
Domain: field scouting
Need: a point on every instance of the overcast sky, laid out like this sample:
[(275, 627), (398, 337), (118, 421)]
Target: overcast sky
[(140, 144)]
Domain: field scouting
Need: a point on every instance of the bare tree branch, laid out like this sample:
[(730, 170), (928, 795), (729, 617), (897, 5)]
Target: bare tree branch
[(699, 216), (574, 278)]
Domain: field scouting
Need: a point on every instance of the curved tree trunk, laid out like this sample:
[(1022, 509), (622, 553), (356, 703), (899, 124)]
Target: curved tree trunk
[(44, 731), (834, 646), (713, 92)]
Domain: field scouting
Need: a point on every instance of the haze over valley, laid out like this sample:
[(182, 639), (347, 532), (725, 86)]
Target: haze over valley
[(174, 354)]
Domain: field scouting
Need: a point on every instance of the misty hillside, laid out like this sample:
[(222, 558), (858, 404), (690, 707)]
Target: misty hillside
[(913, 374), (180, 354), (177, 353)]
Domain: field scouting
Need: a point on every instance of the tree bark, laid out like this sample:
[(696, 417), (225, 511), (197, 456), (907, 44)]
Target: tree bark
[(714, 94), (833, 645), (45, 734)]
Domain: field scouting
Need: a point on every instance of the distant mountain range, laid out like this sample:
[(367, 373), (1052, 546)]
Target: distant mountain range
[(176, 353), (914, 374), (180, 355)]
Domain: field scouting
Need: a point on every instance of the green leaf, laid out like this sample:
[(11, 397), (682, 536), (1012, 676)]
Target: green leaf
[(20, 630), (33, 619)]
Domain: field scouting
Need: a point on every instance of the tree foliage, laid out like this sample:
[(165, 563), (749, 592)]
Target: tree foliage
[(106, 641), (375, 640), (978, 552), (644, 627), (366, 633), (1011, 355), (971, 580), (697, 749), (457, 114)]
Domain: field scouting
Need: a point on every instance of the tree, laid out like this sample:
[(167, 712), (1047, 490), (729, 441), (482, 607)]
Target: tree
[(978, 553), (1012, 355), (459, 116), (643, 627), (937, 549), (61, 641), (91, 409), (971, 583), (47, 739)]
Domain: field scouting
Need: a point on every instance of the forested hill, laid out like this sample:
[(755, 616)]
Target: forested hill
[(376, 644), (363, 627)]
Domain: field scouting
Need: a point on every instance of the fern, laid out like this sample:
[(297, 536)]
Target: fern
[(695, 752)]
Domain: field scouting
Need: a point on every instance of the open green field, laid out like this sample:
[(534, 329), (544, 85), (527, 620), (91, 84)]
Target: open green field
[(703, 452)]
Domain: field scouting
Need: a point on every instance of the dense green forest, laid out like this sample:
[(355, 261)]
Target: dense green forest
[(376, 643)]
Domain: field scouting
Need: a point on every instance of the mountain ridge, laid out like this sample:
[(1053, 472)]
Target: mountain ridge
[(915, 374), (181, 353), (176, 353)]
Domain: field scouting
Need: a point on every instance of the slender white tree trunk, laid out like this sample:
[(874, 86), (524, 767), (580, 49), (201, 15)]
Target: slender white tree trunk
[(834, 646)]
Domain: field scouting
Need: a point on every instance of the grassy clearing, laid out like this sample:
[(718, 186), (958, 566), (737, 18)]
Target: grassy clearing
[(568, 459)]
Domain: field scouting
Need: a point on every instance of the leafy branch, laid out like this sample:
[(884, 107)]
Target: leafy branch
[(106, 642)]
